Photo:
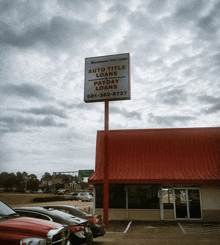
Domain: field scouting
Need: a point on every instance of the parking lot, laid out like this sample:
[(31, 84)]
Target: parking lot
[(160, 233), (130, 233)]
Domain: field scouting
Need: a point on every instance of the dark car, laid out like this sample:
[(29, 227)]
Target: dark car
[(96, 225), (80, 231), (75, 197)]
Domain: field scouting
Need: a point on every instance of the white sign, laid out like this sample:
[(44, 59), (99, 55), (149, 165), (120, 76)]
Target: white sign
[(107, 78)]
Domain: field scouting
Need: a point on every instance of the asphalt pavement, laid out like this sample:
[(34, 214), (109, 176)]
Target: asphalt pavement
[(159, 233)]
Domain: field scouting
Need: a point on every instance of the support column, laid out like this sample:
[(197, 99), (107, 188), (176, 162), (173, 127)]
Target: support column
[(126, 189), (94, 199)]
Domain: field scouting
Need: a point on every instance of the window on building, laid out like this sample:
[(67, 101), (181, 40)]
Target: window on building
[(99, 196), (139, 196), (117, 196), (167, 198), (143, 196)]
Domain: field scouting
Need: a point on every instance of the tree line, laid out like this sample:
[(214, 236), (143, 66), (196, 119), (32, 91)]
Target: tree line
[(21, 182)]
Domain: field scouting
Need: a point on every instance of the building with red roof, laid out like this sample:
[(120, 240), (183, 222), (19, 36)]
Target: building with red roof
[(159, 174)]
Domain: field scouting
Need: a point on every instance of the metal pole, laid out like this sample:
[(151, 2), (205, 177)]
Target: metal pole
[(52, 183), (106, 174), (126, 189), (94, 200)]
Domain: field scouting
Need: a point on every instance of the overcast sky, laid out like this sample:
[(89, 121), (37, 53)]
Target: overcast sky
[(45, 125)]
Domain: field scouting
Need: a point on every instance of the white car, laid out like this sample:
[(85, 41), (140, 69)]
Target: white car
[(87, 198)]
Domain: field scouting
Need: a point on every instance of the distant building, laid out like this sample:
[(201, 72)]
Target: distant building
[(47, 181), (160, 174), (51, 184)]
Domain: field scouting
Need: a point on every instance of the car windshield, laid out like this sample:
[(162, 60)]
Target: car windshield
[(5, 210), (86, 195), (83, 211), (78, 212)]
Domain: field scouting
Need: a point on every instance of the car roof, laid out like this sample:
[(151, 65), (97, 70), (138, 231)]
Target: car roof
[(82, 213), (56, 215)]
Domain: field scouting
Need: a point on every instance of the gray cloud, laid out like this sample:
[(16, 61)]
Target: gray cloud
[(19, 123), (189, 10), (216, 59), (58, 32), (157, 6), (25, 90), (212, 109), (46, 110), (210, 22), (173, 97), (168, 121), (209, 99), (125, 113), (50, 122), (81, 105)]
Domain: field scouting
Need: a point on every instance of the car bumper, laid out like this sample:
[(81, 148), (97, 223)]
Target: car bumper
[(98, 230), (81, 237)]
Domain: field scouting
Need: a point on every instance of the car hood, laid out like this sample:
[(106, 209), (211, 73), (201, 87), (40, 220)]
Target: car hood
[(28, 226)]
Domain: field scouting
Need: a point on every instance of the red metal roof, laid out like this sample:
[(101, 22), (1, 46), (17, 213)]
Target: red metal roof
[(185, 155)]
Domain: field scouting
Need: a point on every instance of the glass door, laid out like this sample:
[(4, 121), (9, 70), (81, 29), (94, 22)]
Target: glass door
[(194, 204), (181, 204), (187, 203)]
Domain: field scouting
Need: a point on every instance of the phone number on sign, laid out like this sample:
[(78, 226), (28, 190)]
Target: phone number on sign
[(106, 94)]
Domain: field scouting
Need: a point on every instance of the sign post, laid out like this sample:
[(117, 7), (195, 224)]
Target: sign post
[(107, 78), (106, 172)]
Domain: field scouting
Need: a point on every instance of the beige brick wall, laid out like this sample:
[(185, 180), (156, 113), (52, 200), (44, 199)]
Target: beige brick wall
[(168, 214), (210, 196), (133, 214)]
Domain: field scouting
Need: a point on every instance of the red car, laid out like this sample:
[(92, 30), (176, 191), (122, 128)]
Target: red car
[(16, 230)]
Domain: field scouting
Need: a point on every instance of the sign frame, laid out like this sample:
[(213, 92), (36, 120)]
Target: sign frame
[(107, 78)]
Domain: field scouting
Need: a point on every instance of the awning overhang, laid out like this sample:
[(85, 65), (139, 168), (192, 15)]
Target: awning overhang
[(160, 156)]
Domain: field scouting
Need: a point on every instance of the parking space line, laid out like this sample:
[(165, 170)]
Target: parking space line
[(128, 227), (113, 232), (200, 228), (181, 228)]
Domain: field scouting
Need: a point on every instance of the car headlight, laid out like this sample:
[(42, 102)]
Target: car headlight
[(33, 241)]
